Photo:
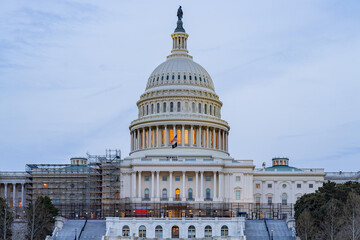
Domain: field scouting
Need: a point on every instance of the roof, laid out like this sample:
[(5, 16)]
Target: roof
[(282, 168)]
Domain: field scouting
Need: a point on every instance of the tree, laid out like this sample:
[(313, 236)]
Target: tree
[(329, 227), (351, 218), (6, 219), (40, 217), (305, 225)]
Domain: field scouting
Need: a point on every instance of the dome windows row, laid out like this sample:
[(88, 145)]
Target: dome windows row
[(193, 107), (186, 78)]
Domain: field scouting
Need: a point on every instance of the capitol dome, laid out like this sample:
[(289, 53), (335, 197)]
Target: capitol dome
[(179, 105)]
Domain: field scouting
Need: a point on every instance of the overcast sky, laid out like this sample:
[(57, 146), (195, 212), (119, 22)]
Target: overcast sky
[(287, 72)]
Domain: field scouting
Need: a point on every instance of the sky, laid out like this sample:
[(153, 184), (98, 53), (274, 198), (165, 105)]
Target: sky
[(287, 72)]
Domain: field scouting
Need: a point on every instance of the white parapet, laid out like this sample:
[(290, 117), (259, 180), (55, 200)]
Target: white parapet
[(217, 228)]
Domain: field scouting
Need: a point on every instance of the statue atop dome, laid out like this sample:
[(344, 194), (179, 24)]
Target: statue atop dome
[(179, 27), (179, 13)]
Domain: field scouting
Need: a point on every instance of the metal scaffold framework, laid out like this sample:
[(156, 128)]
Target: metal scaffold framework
[(86, 188)]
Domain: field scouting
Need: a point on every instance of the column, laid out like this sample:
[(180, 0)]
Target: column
[(225, 186), (191, 136), (14, 194), (207, 137), (152, 186), (139, 190), (221, 195), (166, 136), (157, 136), (219, 139), (171, 187), (215, 188), (197, 186), (198, 142), (158, 184), (133, 182), (227, 141), (183, 187), (214, 139), (223, 141), (174, 132), (143, 138), (22, 194), (182, 135), (202, 185), (132, 141), (5, 191), (138, 139)]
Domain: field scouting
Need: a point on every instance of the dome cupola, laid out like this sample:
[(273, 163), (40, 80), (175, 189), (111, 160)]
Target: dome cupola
[(179, 101)]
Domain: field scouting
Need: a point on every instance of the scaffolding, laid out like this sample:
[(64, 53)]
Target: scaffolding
[(85, 188)]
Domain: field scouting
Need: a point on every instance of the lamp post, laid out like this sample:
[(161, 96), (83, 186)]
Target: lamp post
[(272, 234)]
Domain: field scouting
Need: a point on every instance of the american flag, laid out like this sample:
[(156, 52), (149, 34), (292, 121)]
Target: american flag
[(174, 139)]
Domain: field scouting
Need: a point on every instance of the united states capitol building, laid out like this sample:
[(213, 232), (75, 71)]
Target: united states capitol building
[(179, 180)]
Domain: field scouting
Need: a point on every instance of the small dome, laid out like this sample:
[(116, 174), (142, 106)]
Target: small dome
[(180, 70)]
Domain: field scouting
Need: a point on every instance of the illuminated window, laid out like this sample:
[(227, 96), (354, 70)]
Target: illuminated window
[(205, 133), (152, 138), (20, 203), (177, 194), (216, 140), (45, 185), (257, 199), (141, 138), (171, 135), (163, 137), (146, 138), (211, 139), (258, 185), (186, 136), (194, 136), (178, 136)]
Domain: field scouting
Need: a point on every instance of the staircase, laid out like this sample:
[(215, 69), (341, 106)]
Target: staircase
[(256, 230), (69, 229), (280, 230), (94, 230)]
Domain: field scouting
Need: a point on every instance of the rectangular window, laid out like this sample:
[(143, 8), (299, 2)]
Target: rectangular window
[(205, 108), (208, 178), (193, 107), (186, 137), (171, 135), (164, 178), (152, 108), (194, 136), (141, 139), (164, 107), (177, 178), (258, 185), (216, 140), (298, 185), (147, 178), (190, 178), (178, 136), (257, 199), (211, 139), (237, 194), (199, 107), (171, 107), (269, 185), (238, 178), (178, 106), (152, 138), (163, 137), (158, 108), (311, 185), (269, 200), (146, 138)]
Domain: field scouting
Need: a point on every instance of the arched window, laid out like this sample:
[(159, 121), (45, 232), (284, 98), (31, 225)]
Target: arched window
[(284, 199), (210, 112), (177, 194), (199, 107), (164, 193), (208, 193), (158, 107), (173, 77), (178, 106), (142, 231), (214, 111), (205, 108), (158, 231), (208, 231), (193, 107), (143, 110), (164, 107), (190, 193), (152, 109), (224, 231), (191, 232), (171, 106), (147, 109), (147, 195), (126, 231)]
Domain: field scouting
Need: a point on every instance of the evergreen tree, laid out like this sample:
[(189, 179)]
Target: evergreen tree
[(6, 219), (40, 217)]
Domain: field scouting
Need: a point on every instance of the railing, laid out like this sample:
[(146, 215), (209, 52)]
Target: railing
[(208, 199)]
